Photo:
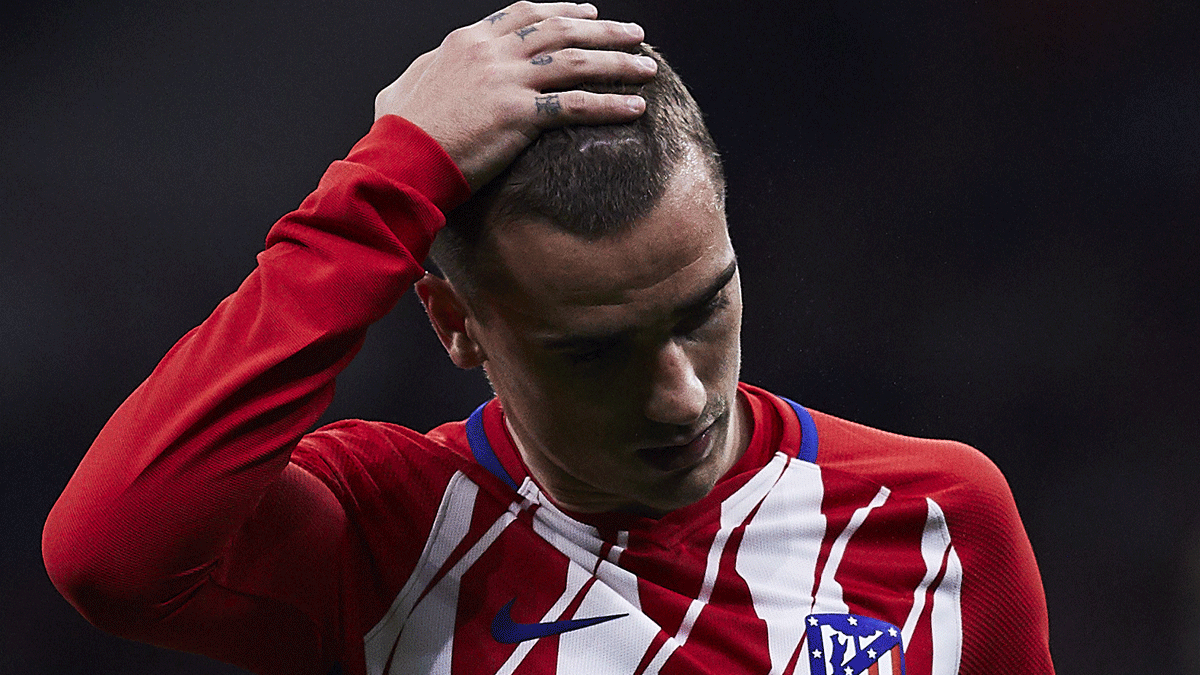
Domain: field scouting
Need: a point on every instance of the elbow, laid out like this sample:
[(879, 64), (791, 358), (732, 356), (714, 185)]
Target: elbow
[(62, 555), (89, 576)]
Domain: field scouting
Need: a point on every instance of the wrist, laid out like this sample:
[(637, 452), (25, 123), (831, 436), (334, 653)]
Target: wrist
[(402, 152)]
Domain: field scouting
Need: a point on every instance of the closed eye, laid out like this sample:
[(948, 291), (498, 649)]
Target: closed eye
[(589, 352), (689, 318), (702, 315)]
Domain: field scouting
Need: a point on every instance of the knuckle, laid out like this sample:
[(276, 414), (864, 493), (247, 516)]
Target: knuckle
[(522, 6), (456, 36), (461, 39), (617, 31), (478, 51), (574, 103), (557, 24), (573, 56)]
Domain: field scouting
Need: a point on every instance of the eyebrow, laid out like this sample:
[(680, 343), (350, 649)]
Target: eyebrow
[(690, 306)]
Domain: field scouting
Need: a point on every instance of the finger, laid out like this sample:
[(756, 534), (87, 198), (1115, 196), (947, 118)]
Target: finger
[(564, 69), (585, 107), (521, 14), (560, 32)]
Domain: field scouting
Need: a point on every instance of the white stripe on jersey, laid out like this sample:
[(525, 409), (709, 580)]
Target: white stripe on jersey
[(579, 542), (450, 526), (934, 541), (432, 642), (946, 612), (615, 593), (778, 557), (947, 618), (734, 512)]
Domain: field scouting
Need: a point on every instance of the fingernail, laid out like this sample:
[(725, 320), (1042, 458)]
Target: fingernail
[(647, 63), (635, 103), (634, 30)]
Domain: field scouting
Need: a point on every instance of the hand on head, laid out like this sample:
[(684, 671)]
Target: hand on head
[(490, 88)]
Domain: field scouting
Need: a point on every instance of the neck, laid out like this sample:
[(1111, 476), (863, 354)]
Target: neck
[(565, 491), (578, 496)]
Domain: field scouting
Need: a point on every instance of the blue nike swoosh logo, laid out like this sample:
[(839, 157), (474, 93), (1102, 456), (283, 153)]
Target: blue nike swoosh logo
[(509, 632)]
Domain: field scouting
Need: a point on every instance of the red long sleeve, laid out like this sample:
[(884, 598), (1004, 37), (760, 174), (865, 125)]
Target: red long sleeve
[(187, 494)]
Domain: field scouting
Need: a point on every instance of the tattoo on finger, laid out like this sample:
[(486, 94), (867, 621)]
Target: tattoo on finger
[(548, 105), (496, 17), (525, 31), (542, 59)]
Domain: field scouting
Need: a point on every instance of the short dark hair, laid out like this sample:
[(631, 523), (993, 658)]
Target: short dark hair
[(590, 181)]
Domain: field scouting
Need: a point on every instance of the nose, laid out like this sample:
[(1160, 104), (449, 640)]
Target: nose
[(677, 395)]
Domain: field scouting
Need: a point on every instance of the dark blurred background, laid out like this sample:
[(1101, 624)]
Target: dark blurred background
[(973, 220)]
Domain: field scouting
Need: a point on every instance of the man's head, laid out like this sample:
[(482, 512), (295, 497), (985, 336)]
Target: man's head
[(591, 181), (595, 283)]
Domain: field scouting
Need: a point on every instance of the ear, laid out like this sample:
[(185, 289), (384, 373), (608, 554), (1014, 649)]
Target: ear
[(450, 315)]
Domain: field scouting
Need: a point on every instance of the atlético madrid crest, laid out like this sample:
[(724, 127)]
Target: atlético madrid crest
[(848, 644)]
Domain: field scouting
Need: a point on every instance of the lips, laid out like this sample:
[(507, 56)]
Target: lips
[(675, 457)]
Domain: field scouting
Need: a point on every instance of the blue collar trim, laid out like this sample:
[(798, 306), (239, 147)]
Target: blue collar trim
[(808, 432), (482, 449)]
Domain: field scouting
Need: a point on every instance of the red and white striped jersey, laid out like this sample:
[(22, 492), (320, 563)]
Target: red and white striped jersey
[(806, 558)]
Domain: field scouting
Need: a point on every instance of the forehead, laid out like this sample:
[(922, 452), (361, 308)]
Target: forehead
[(555, 281)]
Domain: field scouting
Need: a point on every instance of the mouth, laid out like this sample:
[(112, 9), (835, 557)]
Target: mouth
[(668, 458)]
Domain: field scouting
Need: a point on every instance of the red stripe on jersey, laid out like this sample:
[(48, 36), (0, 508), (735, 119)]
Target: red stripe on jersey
[(484, 514), (837, 514), (887, 546), (665, 592), (605, 549), (504, 573), (728, 636)]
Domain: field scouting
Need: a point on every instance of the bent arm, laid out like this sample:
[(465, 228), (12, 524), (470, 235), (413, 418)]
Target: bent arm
[(185, 525), (192, 470)]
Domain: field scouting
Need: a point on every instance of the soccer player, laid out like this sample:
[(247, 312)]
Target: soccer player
[(623, 505)]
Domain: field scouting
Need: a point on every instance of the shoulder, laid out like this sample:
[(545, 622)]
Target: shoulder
[(960, 478), (952, 482), (964, 492), (357, 458)]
